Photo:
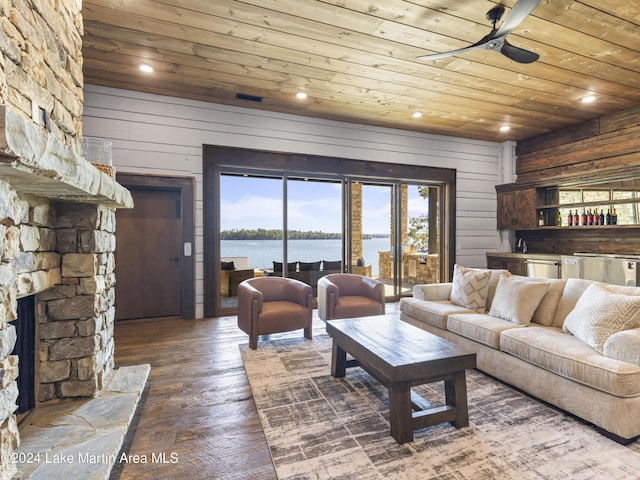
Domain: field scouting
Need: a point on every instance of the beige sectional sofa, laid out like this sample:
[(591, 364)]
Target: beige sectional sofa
[(578, 352)]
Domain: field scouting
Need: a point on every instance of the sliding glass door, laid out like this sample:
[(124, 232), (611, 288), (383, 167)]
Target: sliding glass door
[(272, 214), (314, 228), (251, 218)]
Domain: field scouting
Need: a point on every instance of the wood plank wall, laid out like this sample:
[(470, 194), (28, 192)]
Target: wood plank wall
[(154, 134), (606, 148), (601, 150)]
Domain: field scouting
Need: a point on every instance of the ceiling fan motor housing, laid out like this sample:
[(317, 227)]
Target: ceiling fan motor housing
[(495, 14)]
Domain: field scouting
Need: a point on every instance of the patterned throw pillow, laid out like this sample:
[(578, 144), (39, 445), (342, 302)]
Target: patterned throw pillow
[(470, 287), (599, 313)]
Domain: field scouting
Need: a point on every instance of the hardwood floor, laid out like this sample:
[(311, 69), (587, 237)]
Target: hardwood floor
[(198, 406)]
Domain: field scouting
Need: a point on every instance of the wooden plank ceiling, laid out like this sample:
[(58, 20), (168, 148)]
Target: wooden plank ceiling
[(356, 59)]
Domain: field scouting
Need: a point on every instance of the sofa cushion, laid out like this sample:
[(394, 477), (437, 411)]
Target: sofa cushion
[(600, 313), (434, 312), (546, 311), (479, 327), (470, 287), (517, 299), (565, 355)]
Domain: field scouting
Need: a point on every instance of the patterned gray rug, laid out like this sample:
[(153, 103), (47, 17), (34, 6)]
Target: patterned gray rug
[(319, 427)]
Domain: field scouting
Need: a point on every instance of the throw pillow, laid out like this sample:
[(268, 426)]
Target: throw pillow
[(227, 266), (470, 287), (546, 311), (517, 299), (599, 313)]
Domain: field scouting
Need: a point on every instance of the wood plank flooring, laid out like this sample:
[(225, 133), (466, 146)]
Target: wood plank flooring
[(198, 405)]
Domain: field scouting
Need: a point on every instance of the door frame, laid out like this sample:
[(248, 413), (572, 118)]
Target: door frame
[(185, 185)]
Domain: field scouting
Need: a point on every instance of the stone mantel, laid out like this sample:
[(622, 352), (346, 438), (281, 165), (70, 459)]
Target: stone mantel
[(35, 162)]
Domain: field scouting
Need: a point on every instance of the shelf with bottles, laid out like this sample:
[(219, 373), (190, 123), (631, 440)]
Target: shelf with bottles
[(600, 216)]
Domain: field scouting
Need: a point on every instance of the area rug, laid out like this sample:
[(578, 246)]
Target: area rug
[(320, 427)]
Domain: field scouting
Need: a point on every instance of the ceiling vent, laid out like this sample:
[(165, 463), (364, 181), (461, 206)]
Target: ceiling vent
[(249, 98)]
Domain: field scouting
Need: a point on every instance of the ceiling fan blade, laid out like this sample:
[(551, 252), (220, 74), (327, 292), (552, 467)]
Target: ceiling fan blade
[(517, 54), (516, 16), (438, 56), (480, 43)]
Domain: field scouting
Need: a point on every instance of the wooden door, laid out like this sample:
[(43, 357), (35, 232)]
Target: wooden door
[(149, 256)]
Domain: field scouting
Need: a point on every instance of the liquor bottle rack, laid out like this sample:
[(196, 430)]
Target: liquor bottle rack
[(544, 203)]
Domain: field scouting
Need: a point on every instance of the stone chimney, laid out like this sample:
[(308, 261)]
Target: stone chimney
[(57, 213)]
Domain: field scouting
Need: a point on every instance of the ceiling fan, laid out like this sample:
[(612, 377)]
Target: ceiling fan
[(497, 38)]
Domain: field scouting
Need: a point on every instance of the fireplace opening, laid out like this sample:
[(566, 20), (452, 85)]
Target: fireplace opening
[(24, 348)]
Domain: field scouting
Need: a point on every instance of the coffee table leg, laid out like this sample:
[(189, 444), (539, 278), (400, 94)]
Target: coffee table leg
[(338, 361), (400, 414), (456, 396)]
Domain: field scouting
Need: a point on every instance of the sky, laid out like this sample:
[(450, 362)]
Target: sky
[(251, 203)]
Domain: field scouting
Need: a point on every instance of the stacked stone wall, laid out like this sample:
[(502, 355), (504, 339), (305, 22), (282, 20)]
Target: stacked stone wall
[(76, 317), (41, 64), (64, 254)]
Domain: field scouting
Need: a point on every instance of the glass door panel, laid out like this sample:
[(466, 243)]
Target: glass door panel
[(372, 238), (421, 256), (314, 229), (251, 219)]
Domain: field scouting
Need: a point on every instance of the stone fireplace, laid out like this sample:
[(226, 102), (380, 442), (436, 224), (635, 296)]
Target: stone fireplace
[(57, 214)]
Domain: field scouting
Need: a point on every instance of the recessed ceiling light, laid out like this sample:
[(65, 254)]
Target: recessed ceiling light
[(146, 68), (505, 128), (301, 95), (588, 99), (416, 114)]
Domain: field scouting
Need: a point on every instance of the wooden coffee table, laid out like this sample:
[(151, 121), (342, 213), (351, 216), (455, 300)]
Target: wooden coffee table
[(400, 356)]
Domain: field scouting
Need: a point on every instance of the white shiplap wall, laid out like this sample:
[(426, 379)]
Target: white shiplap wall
[(154, 134)]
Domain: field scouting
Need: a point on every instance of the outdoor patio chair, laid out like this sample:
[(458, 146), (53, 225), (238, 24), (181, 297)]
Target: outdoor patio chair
[(345, 295), (269, 305)]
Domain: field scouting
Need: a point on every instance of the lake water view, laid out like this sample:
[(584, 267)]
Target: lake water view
[(262, 253)]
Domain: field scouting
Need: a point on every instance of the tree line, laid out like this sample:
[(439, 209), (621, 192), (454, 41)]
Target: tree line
[(275, 234)]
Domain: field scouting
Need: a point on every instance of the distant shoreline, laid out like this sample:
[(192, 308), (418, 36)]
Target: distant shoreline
[(264, 234)]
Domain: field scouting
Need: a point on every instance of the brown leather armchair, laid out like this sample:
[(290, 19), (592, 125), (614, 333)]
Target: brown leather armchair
[(345, 295), (273, 304)]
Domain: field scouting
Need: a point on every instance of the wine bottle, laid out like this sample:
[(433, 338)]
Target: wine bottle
[(602, 217), (608, 216), (576, 219), (570, 219), (614, 217), (584, 217), (541, 218), (596, 217), (559, 219), (589, 217)]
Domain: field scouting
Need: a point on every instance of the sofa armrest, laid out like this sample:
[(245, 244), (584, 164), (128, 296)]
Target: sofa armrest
[(624, 346), (433, 291)]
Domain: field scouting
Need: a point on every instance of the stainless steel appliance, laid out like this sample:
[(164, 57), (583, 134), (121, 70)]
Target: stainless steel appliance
[(544, 268), (614, 269)]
